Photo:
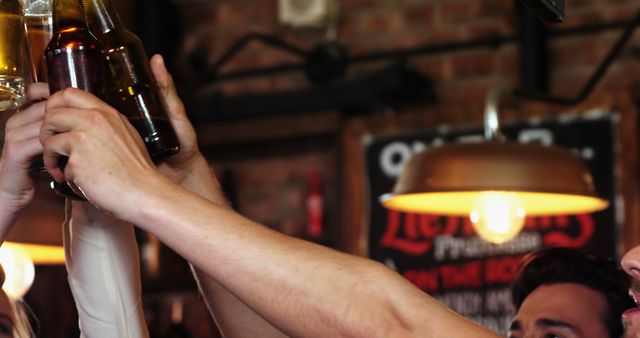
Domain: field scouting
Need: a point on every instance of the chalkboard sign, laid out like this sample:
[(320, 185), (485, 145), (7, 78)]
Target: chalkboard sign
[(444, 257)]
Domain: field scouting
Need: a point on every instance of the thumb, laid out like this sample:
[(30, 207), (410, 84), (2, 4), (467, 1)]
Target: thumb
[(168, 92)]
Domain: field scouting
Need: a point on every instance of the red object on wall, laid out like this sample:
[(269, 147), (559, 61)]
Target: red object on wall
[(315, 207)]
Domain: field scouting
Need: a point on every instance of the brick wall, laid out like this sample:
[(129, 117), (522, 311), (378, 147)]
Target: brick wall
[(461, 78), (368, 26)]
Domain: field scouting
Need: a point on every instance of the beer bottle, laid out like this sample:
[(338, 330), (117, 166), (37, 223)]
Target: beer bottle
[(132, 88), (73, 59), (74, 56)]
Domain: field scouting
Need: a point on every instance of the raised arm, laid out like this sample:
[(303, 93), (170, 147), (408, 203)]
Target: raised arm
[(21, 145), (102, 260), (191, 171), (303, 289)]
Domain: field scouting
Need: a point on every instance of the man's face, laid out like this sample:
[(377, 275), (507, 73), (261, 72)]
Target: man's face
[(565, 310), (631, 318)]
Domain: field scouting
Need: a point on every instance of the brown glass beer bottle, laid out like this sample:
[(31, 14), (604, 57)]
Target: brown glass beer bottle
[(73, 58), (132, 88)]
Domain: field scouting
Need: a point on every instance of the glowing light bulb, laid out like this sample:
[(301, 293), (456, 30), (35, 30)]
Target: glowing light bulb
[(19, 271), (497, 216)]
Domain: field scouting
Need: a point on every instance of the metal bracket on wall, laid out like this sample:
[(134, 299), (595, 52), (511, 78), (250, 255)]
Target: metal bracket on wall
[(343, 60), (547, 10), (378, 90)]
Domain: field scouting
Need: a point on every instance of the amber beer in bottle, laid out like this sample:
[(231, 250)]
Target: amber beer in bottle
[(131, 88), (12, 49), (73, 56)]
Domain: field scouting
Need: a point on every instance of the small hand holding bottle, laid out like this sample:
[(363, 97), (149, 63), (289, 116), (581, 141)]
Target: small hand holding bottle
[(21, 144)]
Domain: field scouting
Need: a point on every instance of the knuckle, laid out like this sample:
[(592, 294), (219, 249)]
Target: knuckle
[(9, 135), (47, 144), (9, 125), (10, 151), (95, 118), (69, 93)]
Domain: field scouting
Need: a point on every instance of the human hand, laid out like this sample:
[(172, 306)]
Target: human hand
[(21, 145), (188, 167), (178, 166), (107, 158)]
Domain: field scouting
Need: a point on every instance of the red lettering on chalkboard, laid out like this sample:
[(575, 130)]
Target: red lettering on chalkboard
[(410, 226), (426, 280), (447, 277), (413, 234), (452, 226), (456, 276), (430, 226), (410, 245), (561, 238), (501, 270)]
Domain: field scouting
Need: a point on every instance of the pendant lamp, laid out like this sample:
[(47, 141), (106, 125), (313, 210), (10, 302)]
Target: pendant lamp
[(496, 183)]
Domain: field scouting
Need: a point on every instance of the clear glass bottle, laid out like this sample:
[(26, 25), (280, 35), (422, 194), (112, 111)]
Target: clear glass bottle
[(39, 20), (12, 54)]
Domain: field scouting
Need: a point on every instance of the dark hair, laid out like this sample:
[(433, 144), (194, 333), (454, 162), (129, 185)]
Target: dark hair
[(567, 265)]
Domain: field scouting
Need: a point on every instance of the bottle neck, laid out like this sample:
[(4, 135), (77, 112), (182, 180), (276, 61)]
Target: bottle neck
[(68, 14), (102, 15)]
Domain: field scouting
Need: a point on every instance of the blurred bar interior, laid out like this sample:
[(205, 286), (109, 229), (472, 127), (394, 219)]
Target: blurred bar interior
[(332, 97)]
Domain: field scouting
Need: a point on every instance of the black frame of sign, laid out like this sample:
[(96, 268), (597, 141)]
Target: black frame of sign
[(442, 255)]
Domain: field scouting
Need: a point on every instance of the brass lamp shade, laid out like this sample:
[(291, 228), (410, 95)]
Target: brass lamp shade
[(447, 180)]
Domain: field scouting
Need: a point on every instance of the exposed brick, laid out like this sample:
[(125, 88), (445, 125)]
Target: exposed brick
[(355, 5), (462, 78), (260, 85), (451, 34), (235, 13), (422, 16), (566, 52), (473, 64), (498, 10), (508, 62), (595, 50), (384, 22), (459, 11), (486, 29), (437, 67)]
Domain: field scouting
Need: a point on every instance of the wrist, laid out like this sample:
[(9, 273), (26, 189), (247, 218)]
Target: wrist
[(10, 209), (8, 216), (202, 181), (156, 204)]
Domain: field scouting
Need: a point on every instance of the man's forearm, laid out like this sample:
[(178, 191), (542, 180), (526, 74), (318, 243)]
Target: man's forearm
[(233, 317), (303, 289)]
